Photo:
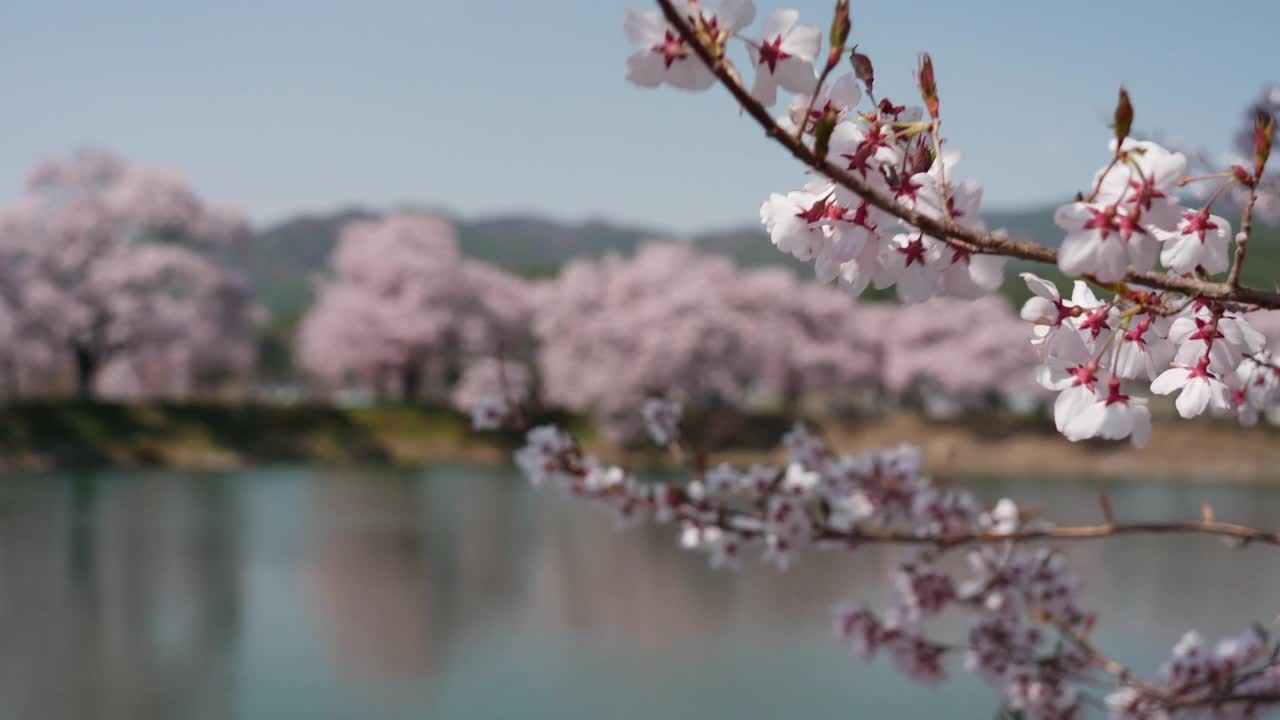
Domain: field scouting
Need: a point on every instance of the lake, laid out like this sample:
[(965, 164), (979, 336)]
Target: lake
[(459, 592)]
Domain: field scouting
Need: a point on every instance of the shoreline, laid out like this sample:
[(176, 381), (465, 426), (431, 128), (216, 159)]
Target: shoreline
[(48, 437)]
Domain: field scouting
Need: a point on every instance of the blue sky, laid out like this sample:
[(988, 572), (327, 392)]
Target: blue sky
[(519, 105)]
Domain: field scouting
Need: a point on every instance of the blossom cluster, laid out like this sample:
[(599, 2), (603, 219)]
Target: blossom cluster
[(888, 210), (1095, 353), (1027, 634), (888, 146), (1243, 666)]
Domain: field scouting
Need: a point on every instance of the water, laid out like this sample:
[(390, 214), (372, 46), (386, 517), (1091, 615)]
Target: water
[(459, 593)]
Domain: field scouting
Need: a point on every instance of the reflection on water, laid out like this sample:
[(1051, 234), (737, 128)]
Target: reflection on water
[(458, 593)]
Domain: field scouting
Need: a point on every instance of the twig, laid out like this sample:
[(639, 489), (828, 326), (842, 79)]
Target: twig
[(1242, 239)]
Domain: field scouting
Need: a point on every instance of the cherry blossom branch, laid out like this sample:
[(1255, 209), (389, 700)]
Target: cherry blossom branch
[(1241, 533), (983, 241), (828, 501), (749, 524)]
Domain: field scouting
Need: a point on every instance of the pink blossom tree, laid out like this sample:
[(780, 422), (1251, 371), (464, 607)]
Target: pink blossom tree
[(402, 312), (676, 323), (964, 352), (110, 273)]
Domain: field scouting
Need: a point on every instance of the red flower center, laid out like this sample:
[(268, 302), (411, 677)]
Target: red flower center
[(672, 48), (1095, 322), (914, 251), (1198, 223), (1104, 221), (771, 53), (1113, 393)]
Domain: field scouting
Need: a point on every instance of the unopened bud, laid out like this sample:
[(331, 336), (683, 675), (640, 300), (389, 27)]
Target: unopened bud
[(1264, 131), (928, 86), (1123, 118), (920, 159), (862, 69), (1242, 175), (822, 129), (888, 109), (840, 27)]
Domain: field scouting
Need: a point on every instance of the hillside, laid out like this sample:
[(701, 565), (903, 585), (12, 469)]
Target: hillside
[(284, 259)]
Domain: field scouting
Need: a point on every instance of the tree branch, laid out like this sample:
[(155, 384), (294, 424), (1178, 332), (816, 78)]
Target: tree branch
[(749, 524), (986, 242)]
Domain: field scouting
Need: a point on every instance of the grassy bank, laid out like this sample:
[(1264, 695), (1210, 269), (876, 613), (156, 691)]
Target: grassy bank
[(217, 436), (42, 436)]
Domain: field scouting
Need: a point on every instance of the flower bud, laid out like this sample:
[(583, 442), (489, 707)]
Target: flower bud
[(822, 130), (1242, 175), (889, 109), (840, 27), (1123, 117), (1264, 130), (920, 158), (928, 86), (862, 68)]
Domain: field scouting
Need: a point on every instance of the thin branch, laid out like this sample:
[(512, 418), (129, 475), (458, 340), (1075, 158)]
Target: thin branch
[(750, 524), (1108, 665), (1079, 532), (1242, 240), (1263, 363), (986, 242)]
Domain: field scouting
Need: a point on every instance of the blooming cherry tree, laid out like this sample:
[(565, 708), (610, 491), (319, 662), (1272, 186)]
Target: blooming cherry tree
[(677, 324), (403, 312), (112, 276)]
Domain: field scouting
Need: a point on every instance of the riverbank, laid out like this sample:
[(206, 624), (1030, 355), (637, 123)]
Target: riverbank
[(49, 436)]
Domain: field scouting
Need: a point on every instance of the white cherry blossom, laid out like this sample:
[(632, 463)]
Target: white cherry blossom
[(661, 55), (1113, 417), (836, 97), (1142, 350), (784, 56), (1200, 389), (864, 150), (797, 221), (1148, 181), (913, 265), (1047, 310), (1200, 240), (1101, 241)]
